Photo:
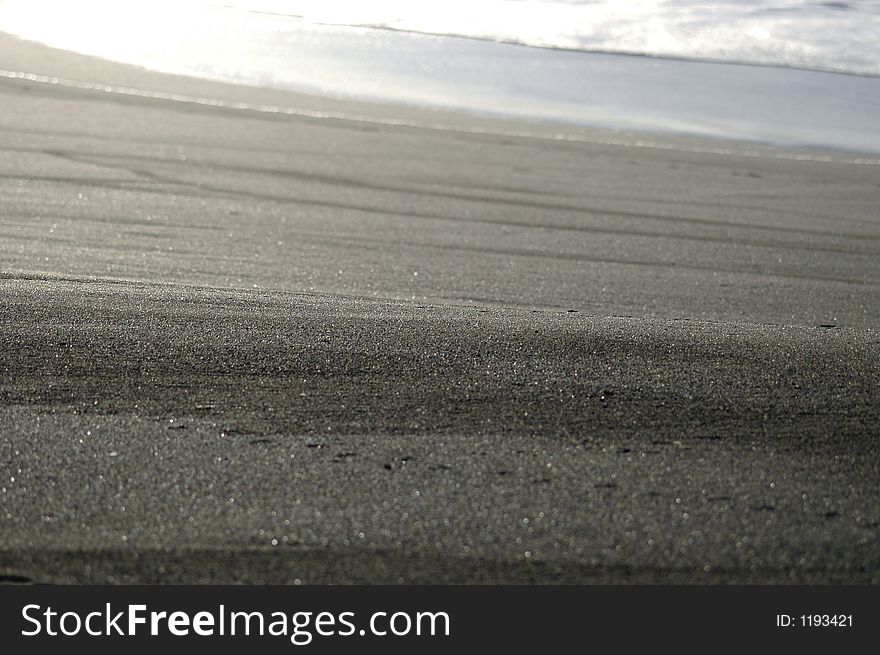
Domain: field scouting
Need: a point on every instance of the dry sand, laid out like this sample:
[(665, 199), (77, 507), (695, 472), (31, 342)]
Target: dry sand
[(240, 344)]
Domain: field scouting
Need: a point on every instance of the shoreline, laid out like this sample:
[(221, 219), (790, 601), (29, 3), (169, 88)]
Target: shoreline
[(494, 125), (87, 72)]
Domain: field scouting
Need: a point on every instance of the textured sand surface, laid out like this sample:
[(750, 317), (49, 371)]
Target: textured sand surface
[(244, 345)]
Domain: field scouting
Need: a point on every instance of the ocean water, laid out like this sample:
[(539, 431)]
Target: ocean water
[(830, 36), (778, 71)]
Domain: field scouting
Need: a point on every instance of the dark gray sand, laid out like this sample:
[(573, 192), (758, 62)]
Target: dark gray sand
[(338, 439), (246, 346)]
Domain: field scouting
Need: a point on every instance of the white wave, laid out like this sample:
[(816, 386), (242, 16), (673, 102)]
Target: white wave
[(830, 36)]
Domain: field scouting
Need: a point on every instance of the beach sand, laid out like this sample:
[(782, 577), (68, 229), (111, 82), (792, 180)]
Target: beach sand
[(268, 343)]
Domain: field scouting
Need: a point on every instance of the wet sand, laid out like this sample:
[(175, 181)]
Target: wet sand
[(243, 344)]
